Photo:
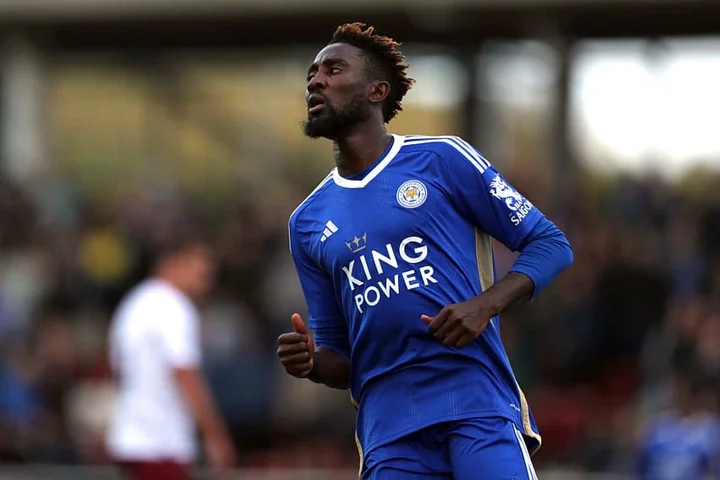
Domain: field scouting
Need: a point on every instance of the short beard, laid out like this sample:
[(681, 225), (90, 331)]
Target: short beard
[(333, 124)]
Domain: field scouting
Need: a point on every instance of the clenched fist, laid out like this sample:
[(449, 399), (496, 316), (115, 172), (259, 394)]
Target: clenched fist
[(296, 349)]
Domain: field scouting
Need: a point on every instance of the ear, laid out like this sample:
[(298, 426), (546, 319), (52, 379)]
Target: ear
[(379, 91)]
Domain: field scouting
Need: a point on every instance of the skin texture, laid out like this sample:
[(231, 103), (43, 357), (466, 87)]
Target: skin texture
[(351, 116)]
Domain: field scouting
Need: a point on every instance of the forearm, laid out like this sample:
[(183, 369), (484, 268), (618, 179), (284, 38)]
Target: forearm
[(197, 396), (330, 368), (512, 290), (543, 257)]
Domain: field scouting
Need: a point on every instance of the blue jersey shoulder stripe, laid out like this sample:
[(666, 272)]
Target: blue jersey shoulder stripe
[(458, 143), (320, 185), (465, 149)]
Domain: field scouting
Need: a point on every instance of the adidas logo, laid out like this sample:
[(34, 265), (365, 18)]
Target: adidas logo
[(330, 228)]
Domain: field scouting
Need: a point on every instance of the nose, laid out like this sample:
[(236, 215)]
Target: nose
[(317, 82)]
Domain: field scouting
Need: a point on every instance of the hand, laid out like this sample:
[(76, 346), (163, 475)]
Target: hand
[(459, 324), (220, 454), (296, 349)]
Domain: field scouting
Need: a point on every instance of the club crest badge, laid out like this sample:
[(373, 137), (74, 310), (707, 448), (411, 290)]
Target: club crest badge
[(412, 194)]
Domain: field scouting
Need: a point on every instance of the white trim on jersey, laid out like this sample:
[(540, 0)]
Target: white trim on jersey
[(464, 148), (347, 183), (526, 455), (325, 180)]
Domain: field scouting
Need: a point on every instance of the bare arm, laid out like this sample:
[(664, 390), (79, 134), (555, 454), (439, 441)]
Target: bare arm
[(218, 445), (540, 261), (331, 369), (194, 390), (510, 291)]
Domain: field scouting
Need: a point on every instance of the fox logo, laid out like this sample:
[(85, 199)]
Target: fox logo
[(502, 191)]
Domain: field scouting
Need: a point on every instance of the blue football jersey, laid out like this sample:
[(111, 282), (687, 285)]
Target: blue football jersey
[(677, 448), (407, 237)]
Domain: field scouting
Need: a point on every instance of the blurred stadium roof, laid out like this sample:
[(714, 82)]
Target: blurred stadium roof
[(129, 24), (143, 30)]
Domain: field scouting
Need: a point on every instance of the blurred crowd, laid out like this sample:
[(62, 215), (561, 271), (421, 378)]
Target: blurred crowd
[(596, 354)]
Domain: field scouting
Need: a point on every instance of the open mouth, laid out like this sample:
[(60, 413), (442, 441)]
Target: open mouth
[(315, 104)]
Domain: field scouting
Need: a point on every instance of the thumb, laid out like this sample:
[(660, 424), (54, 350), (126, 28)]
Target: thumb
[(299, 325), (426, 319)]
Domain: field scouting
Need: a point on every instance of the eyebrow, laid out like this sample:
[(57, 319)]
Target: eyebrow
[(328, 61)]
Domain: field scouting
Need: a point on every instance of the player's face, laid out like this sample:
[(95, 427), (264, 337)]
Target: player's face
[(337, 91), (198, 268)]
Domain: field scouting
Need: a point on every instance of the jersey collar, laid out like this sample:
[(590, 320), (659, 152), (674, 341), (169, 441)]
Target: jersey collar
[(348, 183)]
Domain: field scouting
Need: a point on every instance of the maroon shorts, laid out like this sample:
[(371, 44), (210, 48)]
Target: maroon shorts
[(157, 470)]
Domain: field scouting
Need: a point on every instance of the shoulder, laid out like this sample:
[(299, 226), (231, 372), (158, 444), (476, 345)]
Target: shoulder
[(133, 299), (297, 223), (310, 199), (449, 149), (135, 306), (151, 296)]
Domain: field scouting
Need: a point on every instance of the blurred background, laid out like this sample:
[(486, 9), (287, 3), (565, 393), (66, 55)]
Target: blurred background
[(119, 120)]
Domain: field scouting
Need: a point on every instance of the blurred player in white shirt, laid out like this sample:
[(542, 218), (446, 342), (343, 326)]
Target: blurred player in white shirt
[(155, 355)]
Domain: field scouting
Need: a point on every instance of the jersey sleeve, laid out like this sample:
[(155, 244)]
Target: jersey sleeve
[(713, 467), (484, 197), (325, 318), (181, 336)]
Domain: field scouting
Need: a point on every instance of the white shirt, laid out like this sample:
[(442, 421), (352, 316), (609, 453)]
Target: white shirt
[(154, 330)]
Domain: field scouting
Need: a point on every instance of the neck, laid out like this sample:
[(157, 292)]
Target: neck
[(360, 148)]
